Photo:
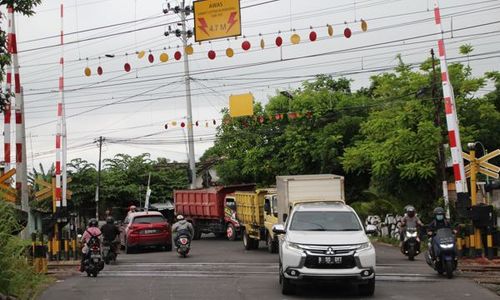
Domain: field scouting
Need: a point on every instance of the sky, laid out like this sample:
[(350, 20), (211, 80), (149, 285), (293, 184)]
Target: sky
[(130, 109)]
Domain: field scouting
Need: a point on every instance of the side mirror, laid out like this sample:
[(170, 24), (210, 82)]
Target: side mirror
[(279, 229)]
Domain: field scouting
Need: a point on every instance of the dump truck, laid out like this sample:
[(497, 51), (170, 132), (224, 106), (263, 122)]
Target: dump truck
[(256, 212), (307, 188), (211, 210)]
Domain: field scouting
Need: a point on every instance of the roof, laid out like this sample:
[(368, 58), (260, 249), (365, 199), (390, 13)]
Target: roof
[(323, 206), (145, 213)]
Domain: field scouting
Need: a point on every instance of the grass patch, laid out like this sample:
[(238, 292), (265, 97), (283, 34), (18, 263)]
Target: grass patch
[(17, 276)]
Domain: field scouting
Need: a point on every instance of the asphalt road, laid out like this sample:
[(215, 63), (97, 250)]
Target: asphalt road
[(219, 269)]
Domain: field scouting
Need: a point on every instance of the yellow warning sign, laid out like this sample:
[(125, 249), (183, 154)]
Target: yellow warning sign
[(241, 105), (215, 19)]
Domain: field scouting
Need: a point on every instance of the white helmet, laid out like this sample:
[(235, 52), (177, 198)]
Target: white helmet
[(180, 217)]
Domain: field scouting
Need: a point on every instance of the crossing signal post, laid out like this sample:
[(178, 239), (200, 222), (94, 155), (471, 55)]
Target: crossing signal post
[(483, 217)]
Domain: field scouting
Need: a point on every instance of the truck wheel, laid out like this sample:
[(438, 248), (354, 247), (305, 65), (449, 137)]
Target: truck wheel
[(247, 241), (231, 232), (255, 243), (272, 246), (197, 234), (367, 289)]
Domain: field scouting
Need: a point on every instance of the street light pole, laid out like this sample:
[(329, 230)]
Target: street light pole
[(101, 139)]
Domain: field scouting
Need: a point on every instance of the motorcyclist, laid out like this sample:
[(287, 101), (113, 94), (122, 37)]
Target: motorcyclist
[(437, 223), (182, 227), (92, 231), (110, 233), (131, 209), (410, 220)]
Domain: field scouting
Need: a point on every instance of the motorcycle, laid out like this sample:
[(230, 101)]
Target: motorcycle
[(411, 243), (94, 263), (108, 252), (444, 253), (183, 244)]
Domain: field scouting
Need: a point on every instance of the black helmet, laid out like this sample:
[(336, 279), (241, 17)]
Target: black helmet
[(438, 211), (93, 222), (110, 220)]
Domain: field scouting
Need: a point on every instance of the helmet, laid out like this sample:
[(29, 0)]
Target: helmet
[(110, 220), (438, 211), (132, 208), (93, 222), (180, 217), (410, 211)]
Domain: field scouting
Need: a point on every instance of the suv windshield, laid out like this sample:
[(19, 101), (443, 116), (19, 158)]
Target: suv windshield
[(149, 219), (325, 221)]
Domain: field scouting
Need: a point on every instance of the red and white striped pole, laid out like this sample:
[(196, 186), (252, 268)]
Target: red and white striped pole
[(19, 107), (451, 111), (8, 107)]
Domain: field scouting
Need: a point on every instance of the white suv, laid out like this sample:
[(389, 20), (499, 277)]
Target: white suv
[(325, 241)]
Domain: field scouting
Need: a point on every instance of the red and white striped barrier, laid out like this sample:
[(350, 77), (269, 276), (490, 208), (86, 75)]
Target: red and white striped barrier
[(8, 107), (60, 199), (450, 110), (19, 107)]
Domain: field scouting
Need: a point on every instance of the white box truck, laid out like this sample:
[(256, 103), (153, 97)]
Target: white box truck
[(296, 189)]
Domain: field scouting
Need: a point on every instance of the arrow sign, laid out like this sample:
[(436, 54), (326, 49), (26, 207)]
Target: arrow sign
[(490, 155)]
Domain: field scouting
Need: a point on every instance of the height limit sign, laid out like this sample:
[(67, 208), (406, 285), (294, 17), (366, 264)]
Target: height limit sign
[(215, 19)]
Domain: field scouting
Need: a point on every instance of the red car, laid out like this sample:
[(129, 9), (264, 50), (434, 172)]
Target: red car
[(145, 229)]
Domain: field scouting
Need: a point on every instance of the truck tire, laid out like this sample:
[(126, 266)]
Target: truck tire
[(255, 243), (287, 288), (197, 233), (272, 245), (247, 241), (231, 232)]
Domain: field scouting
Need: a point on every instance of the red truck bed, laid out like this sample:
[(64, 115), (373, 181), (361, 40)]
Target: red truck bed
[(205, 203)]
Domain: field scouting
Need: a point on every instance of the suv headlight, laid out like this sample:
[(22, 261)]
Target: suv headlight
[(411, 234), (293, 246), (365, 247)]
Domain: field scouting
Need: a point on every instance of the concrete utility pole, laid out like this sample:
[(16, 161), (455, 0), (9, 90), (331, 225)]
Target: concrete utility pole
[(184, 34), (101, 139)]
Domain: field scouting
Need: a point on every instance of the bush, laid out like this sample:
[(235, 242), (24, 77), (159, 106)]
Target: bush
[(17, 277)]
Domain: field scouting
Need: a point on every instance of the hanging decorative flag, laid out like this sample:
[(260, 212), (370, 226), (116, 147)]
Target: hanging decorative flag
[(292, 115), (295, 39), (87, 71), (214, 122), (229, 52), (189, 50), (245, 45), (211, 54), (141, 54), (261, 119), (347, 32), (279, 41), (174, 123), (164, 57), (364, 25), (177, 55), (206, 124), (196, 123), (126, 67), (166, 126), (99, 70), (330, 30), (262, 44), (151, 58), (313, 36), (183, 124), (309, 114)]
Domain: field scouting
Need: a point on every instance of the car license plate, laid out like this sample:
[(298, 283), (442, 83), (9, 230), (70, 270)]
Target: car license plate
[(330, 260), (150, 231)]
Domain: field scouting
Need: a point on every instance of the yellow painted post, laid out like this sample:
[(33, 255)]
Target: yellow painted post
[(472, 243), (473, 173), (478, 243), (489, 241), (66, 249)]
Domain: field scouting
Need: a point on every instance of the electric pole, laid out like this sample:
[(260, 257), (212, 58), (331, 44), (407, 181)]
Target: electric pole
[(184, 35), (437, 123), (101, 139)]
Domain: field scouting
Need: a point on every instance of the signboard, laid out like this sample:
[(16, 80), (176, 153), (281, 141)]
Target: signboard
[(215, 19), (241, 105)]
